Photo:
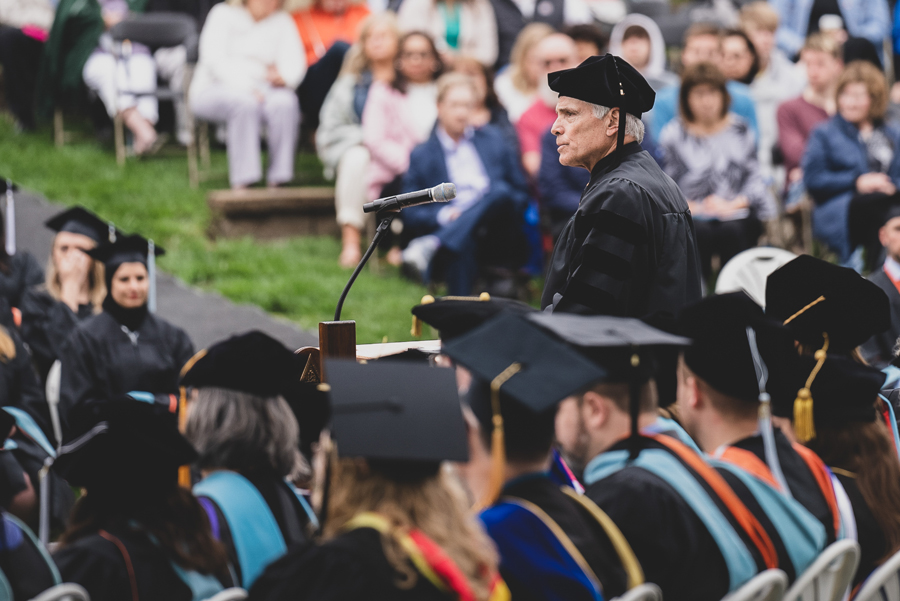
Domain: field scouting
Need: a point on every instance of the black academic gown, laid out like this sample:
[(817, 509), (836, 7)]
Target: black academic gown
[(46, 325), (26, 569), (98, 565), (578, 525), (676, 551), (630, 248), (24, 272), (879, 349), (20, 386), (292, 519), (349, 567), (872, 544), (804, 487), (104, 359)]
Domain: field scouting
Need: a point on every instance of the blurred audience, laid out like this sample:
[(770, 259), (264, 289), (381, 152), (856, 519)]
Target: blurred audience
[(702, 44), (458, 27), (798, 117), (555, 53), (711, 155), (251, 61), (400, 114), (589, 40), (777, 78), (559, 187), (483, 224), (327, 28), (488, 109), (24, 27), (841, 18), (517, 84), (852, 168), (129, 67), (514, 16), (638, 39), (339, 139), (739, 59)]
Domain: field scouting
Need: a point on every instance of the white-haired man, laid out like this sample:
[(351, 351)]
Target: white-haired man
[(630, 248)]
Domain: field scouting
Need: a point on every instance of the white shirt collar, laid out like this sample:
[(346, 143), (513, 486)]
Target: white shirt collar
[(449, 144)]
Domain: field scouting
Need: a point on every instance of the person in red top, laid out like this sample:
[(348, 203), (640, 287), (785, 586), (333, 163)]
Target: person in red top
[(798, 117), (555, 52), (327, 28)]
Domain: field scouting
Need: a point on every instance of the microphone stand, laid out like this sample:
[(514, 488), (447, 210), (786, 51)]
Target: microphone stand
[(385, 217)]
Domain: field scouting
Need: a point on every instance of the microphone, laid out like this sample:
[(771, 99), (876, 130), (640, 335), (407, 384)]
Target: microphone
[(395, 204)]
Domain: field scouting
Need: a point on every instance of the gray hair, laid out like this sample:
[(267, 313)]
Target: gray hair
[(243, 432), (634, 127)]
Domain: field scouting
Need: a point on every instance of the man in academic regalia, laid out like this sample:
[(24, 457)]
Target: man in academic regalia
[(630, 248)]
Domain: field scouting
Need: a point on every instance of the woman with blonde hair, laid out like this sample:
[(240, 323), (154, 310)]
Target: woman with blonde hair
[(518, 84), (74, 287), (339, 139), (397, 524)]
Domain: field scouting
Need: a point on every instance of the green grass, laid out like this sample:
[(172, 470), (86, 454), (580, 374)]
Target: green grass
[(298, 278)]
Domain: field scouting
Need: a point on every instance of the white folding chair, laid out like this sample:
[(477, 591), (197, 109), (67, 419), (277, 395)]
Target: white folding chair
[(68, 591), (230, 594), (642, 592), (765, 586), (830, 575), (884, 583)]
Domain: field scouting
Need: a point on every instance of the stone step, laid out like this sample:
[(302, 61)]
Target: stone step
[(266, 213)]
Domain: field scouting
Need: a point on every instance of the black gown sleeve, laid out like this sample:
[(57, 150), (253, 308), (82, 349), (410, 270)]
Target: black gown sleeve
[(98, 567), (613, 251), (24, 388), (46, 325), (80, 381), (32, 275), (183, 348)]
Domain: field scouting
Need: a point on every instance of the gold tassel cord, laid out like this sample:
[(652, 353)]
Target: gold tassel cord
[(416, 329), (498, 446), (804, 309), (804, 427), (184, 472)]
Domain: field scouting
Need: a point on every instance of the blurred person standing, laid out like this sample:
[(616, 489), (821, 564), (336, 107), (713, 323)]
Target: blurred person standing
[(851, 167), (339, 139), (869, 19), (483, 224), (638, 39), (797, 118), (517, 83), (458, 27), (512, 16), (777, 78), (711, 155), (327, 28), (702, 44), (555, 53), (251, 61), (648, 261), (24, 27)]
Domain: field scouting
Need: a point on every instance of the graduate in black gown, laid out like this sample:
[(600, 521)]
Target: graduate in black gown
[(248, 441), (630, 248), (719, 401), (397, 525), (73, 291), (851, 439), (135, 533), (126, 348), (671, 505), (20, 270), (554, 543)]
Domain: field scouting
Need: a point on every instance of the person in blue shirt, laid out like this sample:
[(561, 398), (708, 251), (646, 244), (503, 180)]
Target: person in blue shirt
[(702, 44)]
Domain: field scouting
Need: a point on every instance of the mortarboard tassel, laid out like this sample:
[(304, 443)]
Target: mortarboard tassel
[(10, 219), (634, 406), (151, 274), (620, 137), (498, 444), (804, 427), (416, 322), (184, 472)]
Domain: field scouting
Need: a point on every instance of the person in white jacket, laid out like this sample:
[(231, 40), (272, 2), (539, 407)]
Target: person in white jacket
[(251, 61)]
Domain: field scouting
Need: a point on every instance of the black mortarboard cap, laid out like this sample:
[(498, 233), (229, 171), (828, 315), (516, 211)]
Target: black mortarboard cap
[(79, 220), (396, 412), (453, 316), (132, 248), (608, 81), (131, 445), (310, 405), (844, 391), (721, 352), (548, 371), (813, 297), (254, 363)]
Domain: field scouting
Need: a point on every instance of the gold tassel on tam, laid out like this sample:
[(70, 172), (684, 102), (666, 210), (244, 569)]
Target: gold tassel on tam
[(804, 427), (416, 322), (498, 446), (184, 472)]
